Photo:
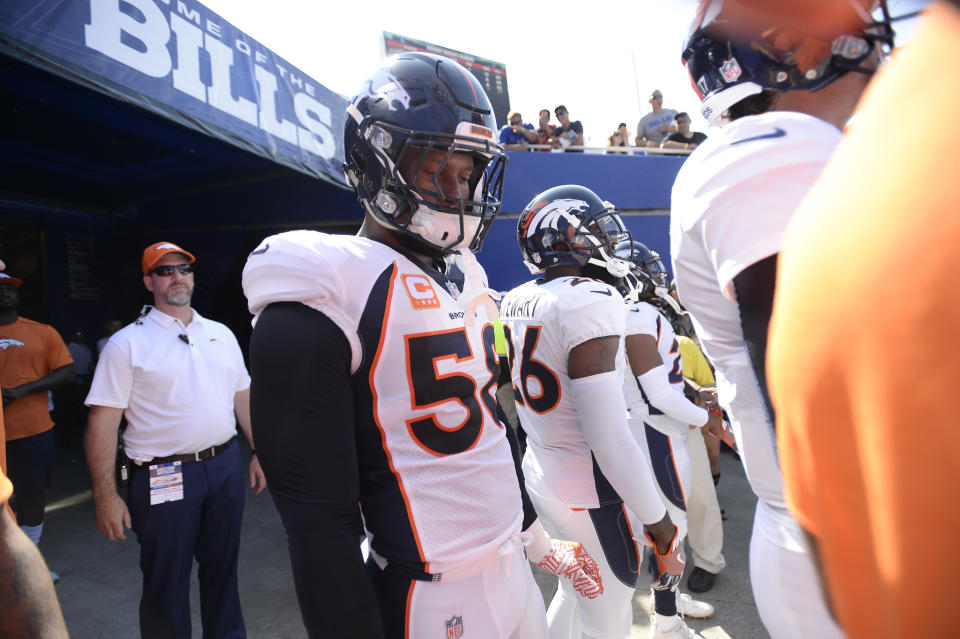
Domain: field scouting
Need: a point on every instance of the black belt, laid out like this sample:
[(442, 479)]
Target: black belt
[(200, 455)]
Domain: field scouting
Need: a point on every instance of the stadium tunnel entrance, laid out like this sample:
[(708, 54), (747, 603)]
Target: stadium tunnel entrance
[(102, 155)]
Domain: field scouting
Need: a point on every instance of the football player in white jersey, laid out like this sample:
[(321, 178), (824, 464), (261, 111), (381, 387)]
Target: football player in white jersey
[(782, 95), (583, 467), (661, 416), (374, 375)]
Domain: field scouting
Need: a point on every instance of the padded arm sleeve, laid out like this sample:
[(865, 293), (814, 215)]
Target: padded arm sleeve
[(302, 416), (603, 417), (663, 396)]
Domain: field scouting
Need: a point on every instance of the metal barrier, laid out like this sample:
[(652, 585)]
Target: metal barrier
[(611, 150)]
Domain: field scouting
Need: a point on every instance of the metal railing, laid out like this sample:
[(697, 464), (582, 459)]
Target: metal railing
[(610, 150)]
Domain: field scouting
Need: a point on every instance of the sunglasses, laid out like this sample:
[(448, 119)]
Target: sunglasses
[(559, 113), (167, 270)]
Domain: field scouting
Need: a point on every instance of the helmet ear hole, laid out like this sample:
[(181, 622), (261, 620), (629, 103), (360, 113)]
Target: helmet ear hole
[(356, 158)]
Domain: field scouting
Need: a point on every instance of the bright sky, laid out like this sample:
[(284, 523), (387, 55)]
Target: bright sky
[(601, 58)]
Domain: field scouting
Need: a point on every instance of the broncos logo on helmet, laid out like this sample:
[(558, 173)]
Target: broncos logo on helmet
[(570, 225), (553, 214)]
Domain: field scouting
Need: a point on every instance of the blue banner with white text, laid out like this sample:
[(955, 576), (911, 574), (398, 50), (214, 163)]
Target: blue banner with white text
[(181, 60)]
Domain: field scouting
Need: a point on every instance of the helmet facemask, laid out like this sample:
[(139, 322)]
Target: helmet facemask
[(594, 244), (647, 279), (423, 209)]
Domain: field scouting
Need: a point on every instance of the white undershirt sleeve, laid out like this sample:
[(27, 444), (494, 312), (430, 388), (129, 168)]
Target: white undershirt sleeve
[(664, 397), (603, 417)]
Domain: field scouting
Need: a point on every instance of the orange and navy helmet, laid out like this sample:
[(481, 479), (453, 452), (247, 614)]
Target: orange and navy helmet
[(570, 225)]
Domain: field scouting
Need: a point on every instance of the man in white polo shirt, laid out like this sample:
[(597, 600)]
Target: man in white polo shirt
[(180, 381)]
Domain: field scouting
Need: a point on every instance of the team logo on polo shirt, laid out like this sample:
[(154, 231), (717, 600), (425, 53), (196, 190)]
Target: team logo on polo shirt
[(420, 291), (6, 342)]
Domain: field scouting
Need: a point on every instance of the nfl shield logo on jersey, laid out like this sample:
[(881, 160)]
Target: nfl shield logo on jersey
[(455, 627), (730, 70)]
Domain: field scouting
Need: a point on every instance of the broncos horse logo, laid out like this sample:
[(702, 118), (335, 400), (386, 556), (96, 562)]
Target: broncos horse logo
[(6, 342), (549, 214)]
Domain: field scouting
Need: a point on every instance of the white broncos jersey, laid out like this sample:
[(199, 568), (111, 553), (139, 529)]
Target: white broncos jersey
[(438, 480), (645, 319), (731, 203), (544, 321)]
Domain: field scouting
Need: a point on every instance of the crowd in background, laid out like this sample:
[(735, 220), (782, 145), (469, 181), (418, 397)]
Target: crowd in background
[(659, 129)]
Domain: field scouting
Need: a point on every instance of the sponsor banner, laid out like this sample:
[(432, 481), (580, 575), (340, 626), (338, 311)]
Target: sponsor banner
[(180, 59)]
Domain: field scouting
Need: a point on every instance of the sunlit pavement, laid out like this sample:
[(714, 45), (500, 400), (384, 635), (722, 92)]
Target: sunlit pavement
[(99, 589)]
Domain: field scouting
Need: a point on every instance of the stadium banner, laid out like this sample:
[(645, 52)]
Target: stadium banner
[(181, 60)]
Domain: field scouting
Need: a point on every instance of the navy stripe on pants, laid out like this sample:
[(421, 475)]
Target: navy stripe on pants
[(205, 524)]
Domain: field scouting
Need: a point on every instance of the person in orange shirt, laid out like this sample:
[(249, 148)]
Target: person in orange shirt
[(28, 603), (860, 379), (33, 360)]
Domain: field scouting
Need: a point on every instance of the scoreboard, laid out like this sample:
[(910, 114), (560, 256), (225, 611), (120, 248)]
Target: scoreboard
[(492, 75)]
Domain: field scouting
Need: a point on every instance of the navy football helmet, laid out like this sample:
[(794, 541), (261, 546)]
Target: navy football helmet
[(402, 129), (647, 279), (570, 225), (734, 49)]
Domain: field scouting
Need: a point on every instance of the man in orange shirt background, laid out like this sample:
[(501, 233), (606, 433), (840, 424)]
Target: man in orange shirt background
[(28, 603), (33, 360)]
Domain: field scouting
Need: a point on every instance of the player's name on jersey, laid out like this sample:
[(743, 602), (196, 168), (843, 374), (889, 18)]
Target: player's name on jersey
[(520, 306)]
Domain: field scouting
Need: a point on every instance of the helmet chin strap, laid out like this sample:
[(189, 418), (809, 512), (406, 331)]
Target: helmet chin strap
[(436, 227), (664, 294), (615, 266), (403, 239)]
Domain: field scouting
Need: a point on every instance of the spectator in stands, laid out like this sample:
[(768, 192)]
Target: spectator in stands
[(656, 125), (684, 138), (516, 135), (568, 133), (622, 130), (616, 139), (544, 129)]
